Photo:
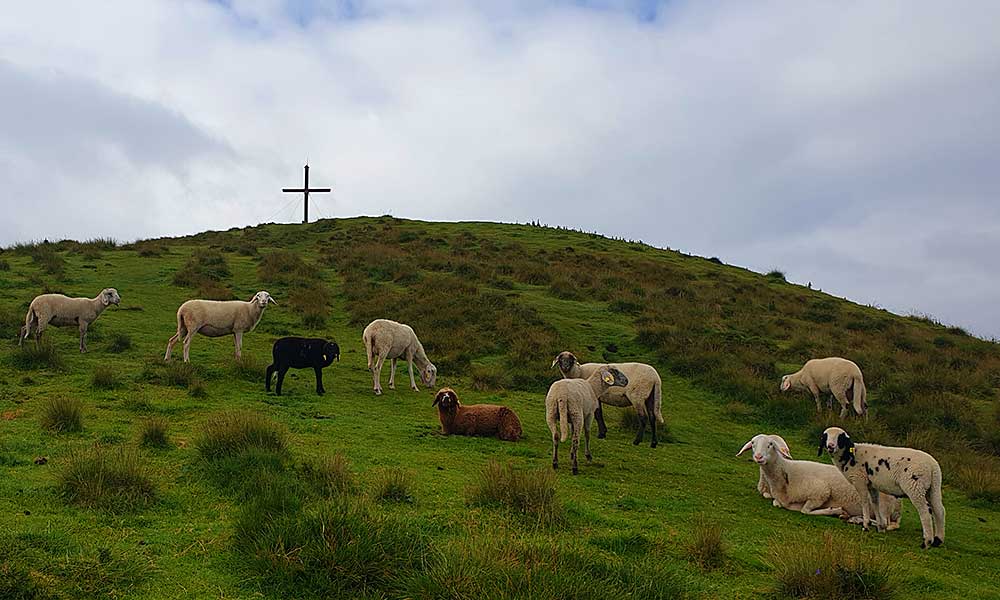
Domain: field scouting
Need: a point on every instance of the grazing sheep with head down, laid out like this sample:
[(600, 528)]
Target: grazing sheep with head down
[(214, 318), (837, 376), (385, 339), (809, 487), (300, 353), (478, 419), (898, 472), (643, 392), (61, 311), (573, 403)]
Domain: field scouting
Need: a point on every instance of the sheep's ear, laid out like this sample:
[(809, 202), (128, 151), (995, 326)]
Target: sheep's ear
[(104, 298), (555, 361), (608, 377), (822, 442), (437, 398), (745, 447), (271, 299), (784, 451)]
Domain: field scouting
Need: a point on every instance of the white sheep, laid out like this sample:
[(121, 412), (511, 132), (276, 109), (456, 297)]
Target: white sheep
[(573, 403), (898, 472), (643, 392), (808, 487), (214, 318), (385, 339), (61, 311), (834, 375)]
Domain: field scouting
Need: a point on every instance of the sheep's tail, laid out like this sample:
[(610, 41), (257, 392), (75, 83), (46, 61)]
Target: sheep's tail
[(937, 505), (657, 395), (370, 349), (860, 397), (563, 419)]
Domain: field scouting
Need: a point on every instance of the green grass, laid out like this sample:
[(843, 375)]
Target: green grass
[(261, 496)]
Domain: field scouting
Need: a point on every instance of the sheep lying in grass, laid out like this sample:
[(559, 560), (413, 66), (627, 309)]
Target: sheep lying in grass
[(300, 353), (898, 472), (214, 318), (385, 339), (573, 403), (837, 376), (478, 419), (61, 311), (782, 446), (809, 487), (643, 392)]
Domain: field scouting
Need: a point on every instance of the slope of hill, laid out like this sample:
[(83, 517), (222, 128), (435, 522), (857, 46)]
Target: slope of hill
[(207, 517)]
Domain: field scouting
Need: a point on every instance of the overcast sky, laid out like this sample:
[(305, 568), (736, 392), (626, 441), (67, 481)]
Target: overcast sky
[(854, 145)]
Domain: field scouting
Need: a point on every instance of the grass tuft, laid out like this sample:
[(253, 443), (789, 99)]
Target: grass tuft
[(120, 342), (104, 378), (394, 485), (531, 493), (62, 415), (706, 548), (235, 432), (153, 433), (45, 356), (330, 475), (249, 368), (115, 480), (834, 568)]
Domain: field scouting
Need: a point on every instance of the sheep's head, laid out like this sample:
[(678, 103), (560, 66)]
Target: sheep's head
[(110, 296), (765, 448), (834, 439), (786, 382), (331, 352), (565, 360), (613, 377), (429, 375), (261, 298), (446, 400)]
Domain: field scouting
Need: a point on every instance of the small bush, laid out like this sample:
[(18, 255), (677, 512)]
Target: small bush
[(835, 569), (235, 432), (103, 378), (204, 265), (209, 289), (531, 493), (120, 342), (179, 374), (706, 548), (487, 377), (394, 485), (62, 415), (776, 275), (153, 433), (113, 480), (331, 475), (4, 265), (196, 388), (44, 356)]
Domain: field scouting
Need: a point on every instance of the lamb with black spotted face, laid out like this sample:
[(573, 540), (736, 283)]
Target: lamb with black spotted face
[(899, 472)]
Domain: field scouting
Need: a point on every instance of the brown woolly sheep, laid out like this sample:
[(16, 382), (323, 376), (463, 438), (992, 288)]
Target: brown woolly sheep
[(478, 419)]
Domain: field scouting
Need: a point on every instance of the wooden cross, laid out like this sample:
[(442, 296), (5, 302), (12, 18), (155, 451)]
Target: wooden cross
[(304, 190)]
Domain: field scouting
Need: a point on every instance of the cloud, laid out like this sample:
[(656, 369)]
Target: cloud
[(849, 144)]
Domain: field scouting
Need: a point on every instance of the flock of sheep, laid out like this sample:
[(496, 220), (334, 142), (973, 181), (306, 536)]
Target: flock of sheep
[(863, 485)]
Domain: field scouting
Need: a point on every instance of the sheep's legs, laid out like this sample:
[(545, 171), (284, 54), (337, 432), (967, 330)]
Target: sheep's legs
[(267, 376), (587, 422), (642, 425), (812, 507), (238, 341), (392, 374), (377, 375), (413, 383), (651, 411), (281, 379), (319, 381), (187, 345), (555, 449), (602, 429), (573, 450), (83, 337), (937, 508), (919, 501), (170, 345)]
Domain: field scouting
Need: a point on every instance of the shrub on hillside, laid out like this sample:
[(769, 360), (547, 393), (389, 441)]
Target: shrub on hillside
[(234, 432), (203, 265), (62, 414), (285, 267), (115, 480), (153, 432), (4, 265)]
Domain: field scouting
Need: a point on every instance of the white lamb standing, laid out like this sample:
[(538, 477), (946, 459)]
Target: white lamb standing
[(62, 311), (834, 375)]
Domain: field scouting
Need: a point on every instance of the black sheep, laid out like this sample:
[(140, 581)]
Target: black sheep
[(301, 353)]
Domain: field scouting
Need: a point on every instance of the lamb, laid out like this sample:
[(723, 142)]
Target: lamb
[(643, 392), (60, 311), (837, 376), (478, 419), (388, 339), (300, 353), (574, 402), (782, 445), (809, 487), (215, 318), (898, 472)]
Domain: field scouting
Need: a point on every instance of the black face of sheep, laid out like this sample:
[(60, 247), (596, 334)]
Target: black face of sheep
[(301, 353), (565, 360)]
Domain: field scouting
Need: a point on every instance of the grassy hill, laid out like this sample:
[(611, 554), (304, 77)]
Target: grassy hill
[(352, 495)]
